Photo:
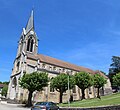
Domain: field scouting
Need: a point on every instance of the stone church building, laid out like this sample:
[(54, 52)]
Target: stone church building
[(28, 60)]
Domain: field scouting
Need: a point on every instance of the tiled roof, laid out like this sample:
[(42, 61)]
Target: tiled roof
[(60, 63)]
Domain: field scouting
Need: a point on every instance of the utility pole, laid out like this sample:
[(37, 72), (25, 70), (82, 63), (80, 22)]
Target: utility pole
[(68, 91)]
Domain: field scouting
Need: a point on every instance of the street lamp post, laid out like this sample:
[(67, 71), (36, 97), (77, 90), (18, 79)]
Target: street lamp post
[(68, 91)]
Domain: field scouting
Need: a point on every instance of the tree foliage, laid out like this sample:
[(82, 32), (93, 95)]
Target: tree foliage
[(6, 82), (4, 90), (116, 80), (33, 81), (83, 80), (99, 81), (114, 68), (103, 72), (60, 83)]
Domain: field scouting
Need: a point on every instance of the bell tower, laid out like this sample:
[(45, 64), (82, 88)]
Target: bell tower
[(28, 42)]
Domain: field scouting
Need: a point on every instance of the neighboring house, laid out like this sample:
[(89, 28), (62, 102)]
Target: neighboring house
[(28, 60), (1, 87)]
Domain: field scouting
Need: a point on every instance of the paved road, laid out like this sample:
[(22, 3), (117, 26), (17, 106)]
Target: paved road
[(11, 107)]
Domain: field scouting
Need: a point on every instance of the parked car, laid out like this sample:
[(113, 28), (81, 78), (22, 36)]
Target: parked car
[(45, 106)]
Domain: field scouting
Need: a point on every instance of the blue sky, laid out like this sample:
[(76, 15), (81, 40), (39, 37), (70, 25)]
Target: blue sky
[(83, 32)]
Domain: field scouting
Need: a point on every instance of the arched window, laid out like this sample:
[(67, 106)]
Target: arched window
[(14, 82), (51, 88), (30, 44), (90, 90), (74, 89)]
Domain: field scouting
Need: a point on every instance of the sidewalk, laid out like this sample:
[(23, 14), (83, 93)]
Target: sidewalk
[(17, 105), (7, 106), (3, 102)]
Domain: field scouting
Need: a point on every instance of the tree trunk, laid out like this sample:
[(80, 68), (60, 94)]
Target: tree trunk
[(29, 102), (60, 99), (79, 93), (98, 93), (83, 94), (71, 98)]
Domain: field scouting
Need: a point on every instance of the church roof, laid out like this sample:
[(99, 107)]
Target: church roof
[(60, 63)]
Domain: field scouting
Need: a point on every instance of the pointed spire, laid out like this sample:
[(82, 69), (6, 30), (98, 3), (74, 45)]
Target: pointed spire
[(30, 23)]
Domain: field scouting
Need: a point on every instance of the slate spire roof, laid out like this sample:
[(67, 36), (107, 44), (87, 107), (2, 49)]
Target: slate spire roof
[(30, 23)]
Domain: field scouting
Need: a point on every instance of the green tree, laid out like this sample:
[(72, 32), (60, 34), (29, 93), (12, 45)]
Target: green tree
[(114, 68), (116, 80), (32, 82), (60, 83), (6, 82), (103, 72), (83, 80), (4, 90), (99, 81)]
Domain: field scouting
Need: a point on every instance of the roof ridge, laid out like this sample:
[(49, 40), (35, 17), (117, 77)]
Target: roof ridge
[(62, 63)]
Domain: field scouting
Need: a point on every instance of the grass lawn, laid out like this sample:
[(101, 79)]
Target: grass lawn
[(113, 99)]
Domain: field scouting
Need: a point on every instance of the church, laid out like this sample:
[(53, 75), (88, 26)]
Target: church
[(28, 60)]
